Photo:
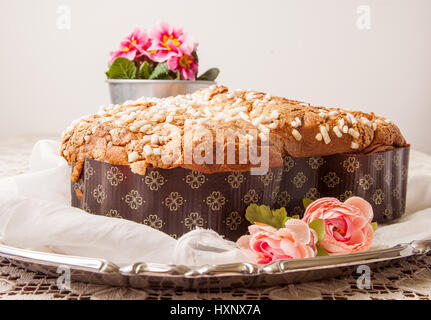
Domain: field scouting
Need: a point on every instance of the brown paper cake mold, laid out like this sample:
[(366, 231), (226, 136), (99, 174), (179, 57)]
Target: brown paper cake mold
[(178, 200)]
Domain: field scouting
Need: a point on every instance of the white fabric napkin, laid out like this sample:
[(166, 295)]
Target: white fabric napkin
[(35, 213)]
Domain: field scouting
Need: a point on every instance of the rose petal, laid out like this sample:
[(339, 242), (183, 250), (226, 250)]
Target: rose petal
[(244, 242), (364, 207), (300, 230)]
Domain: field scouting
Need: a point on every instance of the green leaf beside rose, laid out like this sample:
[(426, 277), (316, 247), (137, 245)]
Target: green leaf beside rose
[(321, 252), (306, 202), (263, 214), (318, 225)]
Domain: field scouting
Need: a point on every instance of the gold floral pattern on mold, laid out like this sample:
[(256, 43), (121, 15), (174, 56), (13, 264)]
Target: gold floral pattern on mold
[(313, 194), (331, 179), (174, 201), (397, 159), (402, 204), (114, 176), (388, 178), (78, 185), (88, 172), (267, 178), (351, 164), (315, 162), (288, 163), (379, 162), (193, 220), (396, 192), (216, 200), (298, 211), (195, 179), (134, 199), (233, 220), (274, 195), (114, 214), (154, 180), (99, 194), (404, 173), (366, 182), (345, 195), (279, 176), (153, 221), (299, 180), (87, 208), (388, 213), (378, 197), (235, 179), (284, 198), (251, 197)]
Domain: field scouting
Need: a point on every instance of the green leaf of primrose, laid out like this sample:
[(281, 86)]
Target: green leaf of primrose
[(318, 225), (263, 214), (161, 72), (145, 70), (209, 75), (374, 225), (178, 76), (321, 252), (122, 68), (284, 221), (306, 202)]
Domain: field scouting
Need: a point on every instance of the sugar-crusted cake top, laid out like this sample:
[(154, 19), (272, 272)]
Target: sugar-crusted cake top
[(140, 132)]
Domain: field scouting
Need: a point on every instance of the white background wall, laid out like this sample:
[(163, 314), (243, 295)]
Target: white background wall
[(303, 49)]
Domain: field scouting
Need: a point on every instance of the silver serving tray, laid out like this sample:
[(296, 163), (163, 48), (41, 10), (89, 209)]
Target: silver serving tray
[(159, 276)]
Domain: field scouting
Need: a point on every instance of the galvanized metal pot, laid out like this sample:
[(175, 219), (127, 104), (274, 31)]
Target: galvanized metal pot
[(123, 90)]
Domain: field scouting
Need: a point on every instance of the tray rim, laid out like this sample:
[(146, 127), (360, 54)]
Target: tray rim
[(104, 267)]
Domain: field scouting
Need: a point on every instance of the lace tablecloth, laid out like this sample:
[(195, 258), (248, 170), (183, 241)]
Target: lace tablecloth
[(407, 279)]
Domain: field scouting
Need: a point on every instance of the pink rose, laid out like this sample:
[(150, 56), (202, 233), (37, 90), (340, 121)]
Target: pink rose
[(347, 225), (267, 244)]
